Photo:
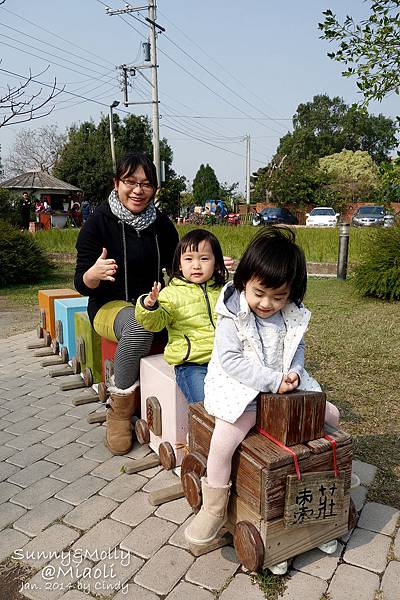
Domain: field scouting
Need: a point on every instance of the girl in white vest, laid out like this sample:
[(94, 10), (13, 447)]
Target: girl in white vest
[(258, 347)]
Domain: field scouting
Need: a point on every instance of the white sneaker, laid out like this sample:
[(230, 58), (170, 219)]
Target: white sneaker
[(329, 547), (355, 481), (280, 568)]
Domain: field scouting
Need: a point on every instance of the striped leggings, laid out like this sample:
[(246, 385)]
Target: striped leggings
[(134, 343)]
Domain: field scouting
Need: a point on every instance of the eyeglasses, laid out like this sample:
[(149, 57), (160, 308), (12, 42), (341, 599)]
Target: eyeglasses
[(145, 185)]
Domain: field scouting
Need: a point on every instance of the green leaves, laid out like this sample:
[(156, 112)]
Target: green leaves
[(373, 46)]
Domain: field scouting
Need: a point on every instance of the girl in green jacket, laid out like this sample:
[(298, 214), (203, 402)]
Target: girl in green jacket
[(186, 307)]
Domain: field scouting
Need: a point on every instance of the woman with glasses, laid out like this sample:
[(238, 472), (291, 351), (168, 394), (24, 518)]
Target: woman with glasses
[(121, 251)]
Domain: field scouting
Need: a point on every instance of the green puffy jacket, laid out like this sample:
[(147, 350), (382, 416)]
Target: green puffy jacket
[(187, 310)]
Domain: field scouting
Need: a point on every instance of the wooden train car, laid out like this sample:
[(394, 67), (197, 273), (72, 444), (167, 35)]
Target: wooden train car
[(64, 310), (164, 411), (290, 490), (47, 328)]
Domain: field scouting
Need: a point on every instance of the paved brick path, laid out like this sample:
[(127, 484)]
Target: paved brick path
[(62, 491)]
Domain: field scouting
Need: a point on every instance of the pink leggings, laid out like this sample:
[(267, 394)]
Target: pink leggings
[(227, 437)]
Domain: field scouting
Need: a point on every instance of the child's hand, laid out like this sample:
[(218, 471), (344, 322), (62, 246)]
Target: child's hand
[(151, 298), (289, 382), (228, 262)]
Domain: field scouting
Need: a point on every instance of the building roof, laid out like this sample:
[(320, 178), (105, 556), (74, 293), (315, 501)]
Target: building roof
[(38, 180)]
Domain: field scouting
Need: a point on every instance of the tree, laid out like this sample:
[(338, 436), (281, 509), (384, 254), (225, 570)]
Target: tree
[(352, 174), (326, 126), (205, 185), (35, 149), (229, 194), (389, 182), (17, 105), (85, 160), (296, 184), (371, 48)]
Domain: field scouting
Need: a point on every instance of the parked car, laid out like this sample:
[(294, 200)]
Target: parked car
[(233, 218), (322, 216), (274, 216), (373, 215)]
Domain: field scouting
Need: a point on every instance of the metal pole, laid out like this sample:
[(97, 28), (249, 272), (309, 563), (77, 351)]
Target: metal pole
[(114, 163), (248, 169), (154, 90), (343, 252)]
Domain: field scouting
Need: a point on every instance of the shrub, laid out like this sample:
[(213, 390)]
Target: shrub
[(378, 274), (21, 259), (9, 207)]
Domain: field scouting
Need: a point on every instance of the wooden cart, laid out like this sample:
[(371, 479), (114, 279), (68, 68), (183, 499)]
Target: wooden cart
[(273, 515)]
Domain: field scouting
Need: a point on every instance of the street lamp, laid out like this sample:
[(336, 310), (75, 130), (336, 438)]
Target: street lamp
[(113, 105)]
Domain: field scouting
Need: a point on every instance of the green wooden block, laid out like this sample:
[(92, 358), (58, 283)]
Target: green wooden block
[(88, 346)]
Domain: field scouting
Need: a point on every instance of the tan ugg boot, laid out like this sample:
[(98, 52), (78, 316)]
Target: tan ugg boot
[(212, 516), (122, 405)]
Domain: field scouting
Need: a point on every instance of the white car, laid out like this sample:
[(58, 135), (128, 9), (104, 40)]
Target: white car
[(322, 216)]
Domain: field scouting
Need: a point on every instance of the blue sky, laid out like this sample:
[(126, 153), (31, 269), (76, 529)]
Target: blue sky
[(227, 68)]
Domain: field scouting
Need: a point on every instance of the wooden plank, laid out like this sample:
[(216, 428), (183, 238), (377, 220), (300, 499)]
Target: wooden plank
[(85, 397), (316, 498), (224, 538), (173, 492), (34, 345), (72, 385), (97, 417), (52, 361), (42, 352), (60, 372), (141, 464)]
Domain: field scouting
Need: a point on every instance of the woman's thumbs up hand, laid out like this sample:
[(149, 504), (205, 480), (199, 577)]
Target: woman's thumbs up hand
[(104, 269)]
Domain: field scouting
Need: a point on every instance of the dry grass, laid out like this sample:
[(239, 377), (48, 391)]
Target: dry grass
[(353, 349)]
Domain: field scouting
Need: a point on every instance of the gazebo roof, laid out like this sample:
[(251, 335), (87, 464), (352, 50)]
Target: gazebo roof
[(38, 180)]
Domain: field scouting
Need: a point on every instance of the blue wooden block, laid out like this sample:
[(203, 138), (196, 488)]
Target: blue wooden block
[(64, 310)]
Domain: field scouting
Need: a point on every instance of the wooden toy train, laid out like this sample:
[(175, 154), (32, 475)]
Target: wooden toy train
[(291, 475)]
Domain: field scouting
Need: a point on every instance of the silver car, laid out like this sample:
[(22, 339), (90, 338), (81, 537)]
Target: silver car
[(372, 216)]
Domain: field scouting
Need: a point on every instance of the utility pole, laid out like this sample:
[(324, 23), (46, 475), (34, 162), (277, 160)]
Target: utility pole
[(247, 139), (151, 19), (114, 163), (154, 89)]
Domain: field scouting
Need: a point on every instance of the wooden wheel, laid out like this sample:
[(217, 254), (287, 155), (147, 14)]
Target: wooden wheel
[(59, 331), (42, 318), (142, 431), (80, 350), (102, 392), (353, 515), (55, 346), (194, 462), (47, 338), (248, 545), (39, 331), (76, 366), (167, 455), (64, 354), (87, 377), (192, 487)]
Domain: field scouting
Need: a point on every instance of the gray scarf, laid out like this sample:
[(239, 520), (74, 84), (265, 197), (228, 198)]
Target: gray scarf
[(137, 221)]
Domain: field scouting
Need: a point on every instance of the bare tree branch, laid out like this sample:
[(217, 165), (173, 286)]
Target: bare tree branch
[(16, 106)]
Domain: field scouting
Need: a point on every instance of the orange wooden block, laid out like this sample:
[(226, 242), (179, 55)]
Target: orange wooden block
[(46, 306)]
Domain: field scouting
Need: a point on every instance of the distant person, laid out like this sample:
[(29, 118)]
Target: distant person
[(39, 208), (25, 211), (86, 210)]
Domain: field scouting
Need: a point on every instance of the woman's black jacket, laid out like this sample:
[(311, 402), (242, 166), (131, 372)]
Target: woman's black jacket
[(140, 256)]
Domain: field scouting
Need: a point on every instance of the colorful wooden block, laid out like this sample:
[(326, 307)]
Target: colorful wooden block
[(64, 310), (88, 349), (46, 300), (164, 407)]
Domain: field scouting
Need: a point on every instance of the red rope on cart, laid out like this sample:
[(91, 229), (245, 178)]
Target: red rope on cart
[(333, 442), (282, 445)]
